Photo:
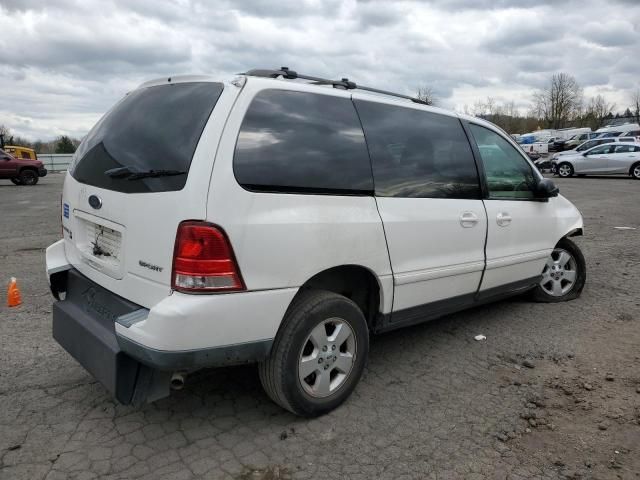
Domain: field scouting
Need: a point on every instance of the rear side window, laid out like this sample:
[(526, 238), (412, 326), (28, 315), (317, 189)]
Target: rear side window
[(302, 142), (154, 128), (623, 149), (418, 154)]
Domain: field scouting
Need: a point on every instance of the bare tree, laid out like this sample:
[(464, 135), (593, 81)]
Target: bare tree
[(426, 95), (559, 101), (635, 104), (597, 110), (4, 135)]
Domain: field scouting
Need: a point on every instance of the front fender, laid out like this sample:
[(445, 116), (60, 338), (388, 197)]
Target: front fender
[(570, 222)]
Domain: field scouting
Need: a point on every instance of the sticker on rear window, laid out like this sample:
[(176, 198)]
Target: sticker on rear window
[(65, 210)]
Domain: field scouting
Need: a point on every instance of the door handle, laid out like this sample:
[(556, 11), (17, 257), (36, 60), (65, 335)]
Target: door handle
[(503, 219), (468, 219)]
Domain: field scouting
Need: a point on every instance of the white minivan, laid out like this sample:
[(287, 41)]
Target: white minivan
[(282, 219)]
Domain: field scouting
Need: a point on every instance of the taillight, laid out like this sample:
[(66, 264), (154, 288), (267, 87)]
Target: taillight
[(203, 260)]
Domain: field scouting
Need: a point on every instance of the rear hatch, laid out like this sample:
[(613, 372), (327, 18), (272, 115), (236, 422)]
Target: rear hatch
[(135, 177)]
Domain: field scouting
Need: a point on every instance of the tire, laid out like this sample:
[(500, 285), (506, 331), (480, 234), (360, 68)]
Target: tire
[(301, 335), (565, 170), (28, 177), (556, 285), (635, 171), (16, 181)]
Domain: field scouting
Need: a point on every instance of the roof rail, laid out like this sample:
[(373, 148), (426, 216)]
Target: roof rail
[(343, 83)]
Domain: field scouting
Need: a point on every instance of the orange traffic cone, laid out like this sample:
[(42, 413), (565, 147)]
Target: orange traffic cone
[(13, 293)]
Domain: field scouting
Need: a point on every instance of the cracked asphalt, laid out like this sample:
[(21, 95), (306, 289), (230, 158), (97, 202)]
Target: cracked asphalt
[(553, 392)]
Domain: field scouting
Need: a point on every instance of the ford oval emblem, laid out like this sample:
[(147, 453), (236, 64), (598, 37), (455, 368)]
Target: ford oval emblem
[(95, 201)]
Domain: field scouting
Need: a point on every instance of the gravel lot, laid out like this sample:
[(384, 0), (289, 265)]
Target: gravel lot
[(554, 391)]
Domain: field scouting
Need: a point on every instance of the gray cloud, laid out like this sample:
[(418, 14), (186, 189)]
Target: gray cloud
[(65, 62)]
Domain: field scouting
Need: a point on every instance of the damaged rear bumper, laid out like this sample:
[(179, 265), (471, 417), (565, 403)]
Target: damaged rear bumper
[(83, 324)]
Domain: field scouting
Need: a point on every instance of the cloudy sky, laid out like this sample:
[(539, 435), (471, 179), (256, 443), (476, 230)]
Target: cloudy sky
[(64, 62)]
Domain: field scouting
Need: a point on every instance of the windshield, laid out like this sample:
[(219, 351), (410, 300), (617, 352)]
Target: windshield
[(151, 129)]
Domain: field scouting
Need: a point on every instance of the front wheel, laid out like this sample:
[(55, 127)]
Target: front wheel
[(318, 355), (635, 171), (16, 181), (563, 275), (565, 170)]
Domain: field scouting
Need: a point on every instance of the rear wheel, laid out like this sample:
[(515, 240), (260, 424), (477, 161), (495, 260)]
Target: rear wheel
[(635, 171), (28, 177), (563, 275), (565, 170), (16, 181), (318, 355)]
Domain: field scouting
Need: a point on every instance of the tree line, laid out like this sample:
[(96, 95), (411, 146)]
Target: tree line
[(560, 104), (61, 144)]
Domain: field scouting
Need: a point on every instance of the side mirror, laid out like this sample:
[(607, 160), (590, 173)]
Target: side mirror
[(547, 189)]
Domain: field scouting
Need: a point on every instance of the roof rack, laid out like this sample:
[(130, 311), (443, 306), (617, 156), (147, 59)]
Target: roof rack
[(343, 83)]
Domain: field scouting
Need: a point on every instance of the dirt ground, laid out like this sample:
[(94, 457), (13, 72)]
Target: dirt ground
[(553, 392)]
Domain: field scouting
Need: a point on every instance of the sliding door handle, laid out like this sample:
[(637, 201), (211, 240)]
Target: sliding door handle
[(468, 219), (503, 219)]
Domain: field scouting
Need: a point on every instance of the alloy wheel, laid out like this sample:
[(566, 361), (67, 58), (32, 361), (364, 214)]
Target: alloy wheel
[(327, 357), (559, 274), (564, 170)]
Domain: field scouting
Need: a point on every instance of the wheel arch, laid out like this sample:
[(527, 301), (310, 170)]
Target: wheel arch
[(575, 232), (633, 165), (356, 282)]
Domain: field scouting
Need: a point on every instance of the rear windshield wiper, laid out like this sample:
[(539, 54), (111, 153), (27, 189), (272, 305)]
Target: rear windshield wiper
[(130, 174)]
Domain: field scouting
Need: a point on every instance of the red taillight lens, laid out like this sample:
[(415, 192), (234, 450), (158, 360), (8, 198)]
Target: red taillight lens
[(203, 260)]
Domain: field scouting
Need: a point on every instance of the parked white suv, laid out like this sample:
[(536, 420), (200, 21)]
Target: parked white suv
[(282, 219)]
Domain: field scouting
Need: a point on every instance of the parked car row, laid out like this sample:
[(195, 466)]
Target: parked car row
[(547, 141)]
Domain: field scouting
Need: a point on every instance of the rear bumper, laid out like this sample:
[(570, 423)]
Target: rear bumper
[(87, 324), (133, 350), (83, 324)]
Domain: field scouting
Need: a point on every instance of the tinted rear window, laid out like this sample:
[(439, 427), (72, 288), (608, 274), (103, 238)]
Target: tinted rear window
[(302, 142), (154, 128)]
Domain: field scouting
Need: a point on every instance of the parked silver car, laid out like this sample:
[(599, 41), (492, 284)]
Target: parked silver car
[(613, 158), (583, 147)]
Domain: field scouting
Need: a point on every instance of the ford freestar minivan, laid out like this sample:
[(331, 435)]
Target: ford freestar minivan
[(282, 219)]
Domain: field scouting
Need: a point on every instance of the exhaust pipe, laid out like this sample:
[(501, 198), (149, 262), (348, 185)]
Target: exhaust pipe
[(177, 381)]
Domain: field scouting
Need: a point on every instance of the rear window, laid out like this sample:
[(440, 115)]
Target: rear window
[(154, 128)]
